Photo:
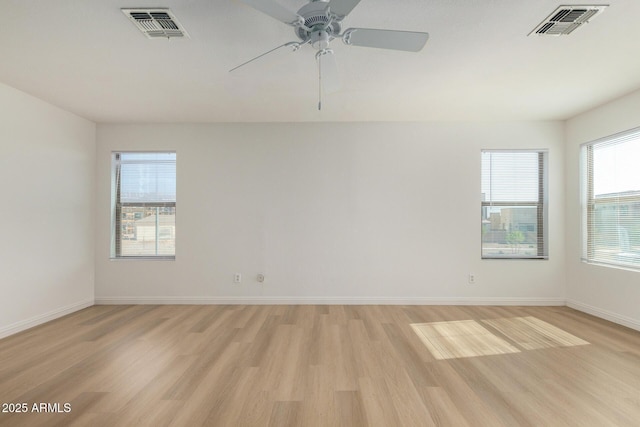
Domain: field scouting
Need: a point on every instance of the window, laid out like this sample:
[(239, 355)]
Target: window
[(514, 204), (143, 205), (611, 200)]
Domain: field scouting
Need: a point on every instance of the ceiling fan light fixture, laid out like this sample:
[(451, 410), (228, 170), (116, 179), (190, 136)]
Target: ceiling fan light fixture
[(320, 39)]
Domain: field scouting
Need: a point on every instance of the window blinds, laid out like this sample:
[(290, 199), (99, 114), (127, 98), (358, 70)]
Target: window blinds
[(510, 176), (514, 207), (145, 205), (611, 200), (147, 177)]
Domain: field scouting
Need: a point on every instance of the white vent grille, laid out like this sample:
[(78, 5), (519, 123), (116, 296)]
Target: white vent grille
[(156, 23), (565, 19)]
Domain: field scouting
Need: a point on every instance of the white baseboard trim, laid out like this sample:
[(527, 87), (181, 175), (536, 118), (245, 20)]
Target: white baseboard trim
[(329, 301), (605, 314), (22, 325)]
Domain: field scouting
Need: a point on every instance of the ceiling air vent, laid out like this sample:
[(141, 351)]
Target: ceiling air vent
[(156, 23), (565, 19)]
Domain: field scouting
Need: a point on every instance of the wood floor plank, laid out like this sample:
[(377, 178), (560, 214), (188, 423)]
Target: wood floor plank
[(323, 365), (320, 404), (350, 410), (377, 403), (441, 408), (286, 414)]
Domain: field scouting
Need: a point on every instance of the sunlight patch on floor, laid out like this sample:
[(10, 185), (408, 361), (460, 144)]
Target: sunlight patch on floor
[(532, 333), (469, 338), (460, 338)]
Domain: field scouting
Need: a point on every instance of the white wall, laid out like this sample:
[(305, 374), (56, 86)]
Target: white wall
[(47, 171), (606, 292), (332, 212)]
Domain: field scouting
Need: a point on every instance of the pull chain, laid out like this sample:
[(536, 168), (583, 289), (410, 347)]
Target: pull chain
[(319, 82)]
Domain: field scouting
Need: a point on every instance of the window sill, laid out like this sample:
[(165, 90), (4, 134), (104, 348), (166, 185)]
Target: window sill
[(616, 266), (143, 258)]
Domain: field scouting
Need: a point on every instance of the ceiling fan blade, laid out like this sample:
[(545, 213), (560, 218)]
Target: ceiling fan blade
[(295, 46), (342, 8), (411, 41), (275, 10), (328, 68)]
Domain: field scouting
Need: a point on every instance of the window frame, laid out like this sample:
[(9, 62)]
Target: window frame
[(589, 201), (541, 205), (117, 207)]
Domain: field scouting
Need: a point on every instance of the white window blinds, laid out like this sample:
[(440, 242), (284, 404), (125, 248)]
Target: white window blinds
[(145, 205), (611, 200), (514, 204), (147, 177)]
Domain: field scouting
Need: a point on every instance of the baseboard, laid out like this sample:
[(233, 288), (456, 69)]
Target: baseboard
[(605, 314), (330, 301), (43, 318)]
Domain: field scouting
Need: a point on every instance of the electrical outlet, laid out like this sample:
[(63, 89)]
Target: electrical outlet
[(237, 278), (472, 279), (260, 278)]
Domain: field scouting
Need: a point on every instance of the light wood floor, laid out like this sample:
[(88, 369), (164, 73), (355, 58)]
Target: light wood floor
[(323, 366)]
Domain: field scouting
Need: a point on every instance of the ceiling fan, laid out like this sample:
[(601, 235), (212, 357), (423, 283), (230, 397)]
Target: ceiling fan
[(319, 22)]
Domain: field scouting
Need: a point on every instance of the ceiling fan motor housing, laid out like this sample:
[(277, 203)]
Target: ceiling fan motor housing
[(318, 25)]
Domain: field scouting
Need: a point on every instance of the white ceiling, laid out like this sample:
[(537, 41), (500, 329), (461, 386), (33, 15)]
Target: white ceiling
[(479, 64)]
